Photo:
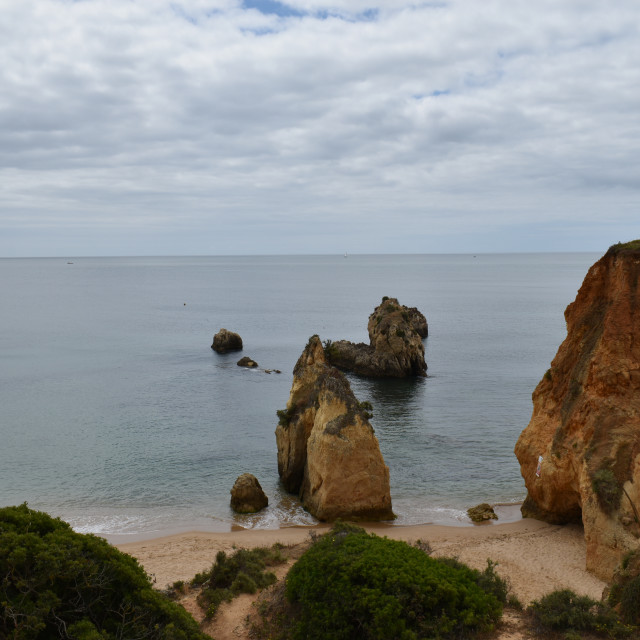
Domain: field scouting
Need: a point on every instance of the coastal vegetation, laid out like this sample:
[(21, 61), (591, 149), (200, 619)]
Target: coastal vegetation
[(242, 572), (56, 583), (576, 616), (619, 247), (352, 584), (624, 593)]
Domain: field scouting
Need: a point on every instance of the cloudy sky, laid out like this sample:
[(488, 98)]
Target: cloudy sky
[(200, 127)]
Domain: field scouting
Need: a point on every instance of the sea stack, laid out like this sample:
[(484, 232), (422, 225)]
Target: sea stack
[(225, 341), (580, 454), (395, 348), (247, 495), (327, 451)]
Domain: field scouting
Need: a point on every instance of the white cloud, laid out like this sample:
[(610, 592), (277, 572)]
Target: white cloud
[(420, 119)]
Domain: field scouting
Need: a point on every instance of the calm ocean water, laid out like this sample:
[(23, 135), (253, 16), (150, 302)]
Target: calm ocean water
[(117, 416)]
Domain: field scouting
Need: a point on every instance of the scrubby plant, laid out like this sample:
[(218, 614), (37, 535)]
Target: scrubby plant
[(366, 409), (625, 590), (565, 611), (56, 583), (242, 572), (284, 416), (633, 245), (630, 601), (607, 489), (351, 584), (330, 350)]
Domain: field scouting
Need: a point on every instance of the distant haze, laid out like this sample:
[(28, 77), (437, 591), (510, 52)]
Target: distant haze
[(196, 127)]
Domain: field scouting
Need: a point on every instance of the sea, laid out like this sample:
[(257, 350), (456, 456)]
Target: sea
[(117, 416)]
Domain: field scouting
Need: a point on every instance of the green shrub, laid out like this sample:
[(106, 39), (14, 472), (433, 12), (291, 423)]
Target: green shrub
[(565, 611), (284, 416), (625, 590), (607, 489), (52, 579), (633, 245), (242, 572), (366, 409), (630, 601), (351, 584)]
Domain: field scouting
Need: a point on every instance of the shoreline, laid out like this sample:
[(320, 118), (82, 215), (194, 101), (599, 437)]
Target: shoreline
[(507, 512), (535, 557)]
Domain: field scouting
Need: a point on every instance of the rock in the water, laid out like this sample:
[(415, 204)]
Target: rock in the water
[(247, 495), (580, 454), (395, 346), (482, 513), (225, 341), (327, 451), (247, 362)]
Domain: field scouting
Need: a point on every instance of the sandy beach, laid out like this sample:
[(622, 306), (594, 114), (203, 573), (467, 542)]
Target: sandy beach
[(534, 556)]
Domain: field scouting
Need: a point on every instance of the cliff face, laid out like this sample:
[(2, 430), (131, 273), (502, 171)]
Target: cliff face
[(327, 451), (395, 346), (586, 416)]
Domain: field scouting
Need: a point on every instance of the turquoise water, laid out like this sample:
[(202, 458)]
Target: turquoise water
[(118, 417)]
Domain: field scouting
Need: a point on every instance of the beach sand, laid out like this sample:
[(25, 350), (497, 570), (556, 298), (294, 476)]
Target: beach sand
[(533, 556)]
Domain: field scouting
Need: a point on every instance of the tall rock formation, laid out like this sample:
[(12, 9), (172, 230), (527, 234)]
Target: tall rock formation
[(586, 416), (226, 340), (395, 346), (327, 451)]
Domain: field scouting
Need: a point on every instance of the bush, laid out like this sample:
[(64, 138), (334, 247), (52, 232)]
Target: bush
[(351, 584), (630, 601), (56, 583), (607, 489), (243, 572), (565, 611), (625, 590)]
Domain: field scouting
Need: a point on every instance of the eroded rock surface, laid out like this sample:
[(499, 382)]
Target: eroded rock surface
[(586, 416), (247, 495), (327, 451), (482, 513), (225, 341), (395, 346)]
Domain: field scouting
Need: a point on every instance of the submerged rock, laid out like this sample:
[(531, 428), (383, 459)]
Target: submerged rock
[(225, 341), (247, 495), (580, 454), (247, 362), (395, 346), (327, 451)]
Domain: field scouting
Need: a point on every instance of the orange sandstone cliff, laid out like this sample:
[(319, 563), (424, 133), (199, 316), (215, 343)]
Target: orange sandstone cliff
[(586, 417), (327, 451)]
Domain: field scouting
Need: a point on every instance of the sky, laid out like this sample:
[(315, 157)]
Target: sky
[(197, 127)]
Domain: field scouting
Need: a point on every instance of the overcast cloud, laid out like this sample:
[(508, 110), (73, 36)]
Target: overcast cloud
[(136, 127)]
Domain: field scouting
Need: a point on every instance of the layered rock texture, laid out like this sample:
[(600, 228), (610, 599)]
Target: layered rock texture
[(586, 417), (225, 341), (327, 451), (395, 346), (247, 495)]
